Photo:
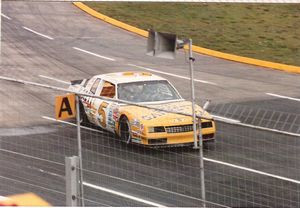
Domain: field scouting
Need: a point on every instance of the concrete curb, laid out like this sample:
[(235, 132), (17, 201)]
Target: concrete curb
[(111, 20), (227, 56)]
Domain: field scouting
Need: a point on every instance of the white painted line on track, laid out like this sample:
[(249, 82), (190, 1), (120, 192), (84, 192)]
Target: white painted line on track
[(215, 161), (37, 33), (44, 171), (102, 189), (5, 16), (32, 157), (131, 182), (55, 79), (123, 195), (230, 120), (252, 170), (32, 185), (268, 129), (173, 75), (94, 54), (59, 176), (158, 189), (72, 124), (237, 122), (284, 97)]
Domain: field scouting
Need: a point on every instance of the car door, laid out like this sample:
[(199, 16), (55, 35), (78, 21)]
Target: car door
[(88, 102), (105, 108)]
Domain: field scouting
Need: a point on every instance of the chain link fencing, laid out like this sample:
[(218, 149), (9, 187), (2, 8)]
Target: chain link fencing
[(243, 167)]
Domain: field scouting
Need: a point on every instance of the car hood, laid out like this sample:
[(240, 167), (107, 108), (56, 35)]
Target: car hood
[(156, 117)]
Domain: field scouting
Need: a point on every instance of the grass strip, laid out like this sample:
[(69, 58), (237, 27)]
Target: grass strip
[(264, 31)]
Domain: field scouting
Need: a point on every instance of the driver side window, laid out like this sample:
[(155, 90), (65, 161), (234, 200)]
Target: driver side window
[(108, 90)]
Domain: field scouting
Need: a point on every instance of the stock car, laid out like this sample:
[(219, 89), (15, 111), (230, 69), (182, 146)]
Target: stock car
[(138, 124)]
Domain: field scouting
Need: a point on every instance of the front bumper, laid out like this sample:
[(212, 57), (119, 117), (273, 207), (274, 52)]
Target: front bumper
[(153, 139)]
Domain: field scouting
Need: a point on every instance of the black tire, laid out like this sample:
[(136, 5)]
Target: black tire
[(124, 129), (83, 116)]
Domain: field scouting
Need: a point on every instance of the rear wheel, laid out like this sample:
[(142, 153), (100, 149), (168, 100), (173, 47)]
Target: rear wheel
[(124, 129), (83, 116)]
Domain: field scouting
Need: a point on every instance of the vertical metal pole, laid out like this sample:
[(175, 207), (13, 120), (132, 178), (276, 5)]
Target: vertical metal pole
[(79, 149), (72, 178), (191, 62), (0, 32), (203, 197)]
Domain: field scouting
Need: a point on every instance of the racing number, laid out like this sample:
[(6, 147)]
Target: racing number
[(101, 112)]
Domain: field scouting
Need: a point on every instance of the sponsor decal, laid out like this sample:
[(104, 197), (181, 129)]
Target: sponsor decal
[(135, 122), (179, 108), (110, 120), (136, 140), (153, 115), (178, 120), (116, 113), (186, 108)]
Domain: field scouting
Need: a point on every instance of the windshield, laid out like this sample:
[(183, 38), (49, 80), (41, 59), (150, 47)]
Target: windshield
[(147, 91)]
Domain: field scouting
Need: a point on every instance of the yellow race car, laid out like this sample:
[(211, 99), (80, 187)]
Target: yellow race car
[(139, 124)]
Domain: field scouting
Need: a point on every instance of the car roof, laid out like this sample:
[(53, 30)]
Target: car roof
[(127, 77)]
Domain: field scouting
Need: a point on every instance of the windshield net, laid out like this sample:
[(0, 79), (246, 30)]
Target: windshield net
[(147, 91)]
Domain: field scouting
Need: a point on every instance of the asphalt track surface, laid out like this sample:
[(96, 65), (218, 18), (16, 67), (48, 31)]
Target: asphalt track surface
[(40, 38)]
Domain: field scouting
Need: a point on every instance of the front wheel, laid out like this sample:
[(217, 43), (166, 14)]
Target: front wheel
[(124, 129)]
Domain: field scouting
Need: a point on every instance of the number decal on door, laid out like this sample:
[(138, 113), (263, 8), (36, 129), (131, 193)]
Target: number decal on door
[(101, 112)]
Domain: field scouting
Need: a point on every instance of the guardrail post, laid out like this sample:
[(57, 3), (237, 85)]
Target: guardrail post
[(79, 151), (191, 64), (72, 181), (203, 195), (0, 32)]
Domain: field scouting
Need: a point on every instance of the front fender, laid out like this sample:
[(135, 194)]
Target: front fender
[(122, 114)]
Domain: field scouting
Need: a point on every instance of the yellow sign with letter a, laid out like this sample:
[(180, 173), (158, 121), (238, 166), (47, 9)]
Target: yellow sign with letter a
[(65, 107)]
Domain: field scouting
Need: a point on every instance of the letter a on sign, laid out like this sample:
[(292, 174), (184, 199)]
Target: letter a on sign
[(65, 107)]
